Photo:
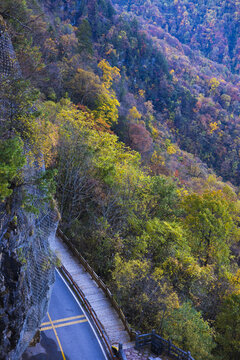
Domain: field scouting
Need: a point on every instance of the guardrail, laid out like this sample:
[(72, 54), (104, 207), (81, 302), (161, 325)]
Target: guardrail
[(90, 310), (121, 353), (160, 345), (100, 283)]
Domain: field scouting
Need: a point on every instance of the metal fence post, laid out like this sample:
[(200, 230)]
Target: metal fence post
[(137, 341), (153, 341), (152, 337), (188, 355), (121, 353), (169, 347)]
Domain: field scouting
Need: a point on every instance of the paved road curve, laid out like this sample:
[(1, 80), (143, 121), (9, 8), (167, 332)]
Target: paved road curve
[(66, 333), (107, 315)]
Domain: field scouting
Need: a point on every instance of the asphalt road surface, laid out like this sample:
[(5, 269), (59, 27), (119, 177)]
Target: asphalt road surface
[(66, 333)]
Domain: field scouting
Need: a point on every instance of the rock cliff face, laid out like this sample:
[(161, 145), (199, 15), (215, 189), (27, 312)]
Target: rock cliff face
[(26, 272), (26, 263)]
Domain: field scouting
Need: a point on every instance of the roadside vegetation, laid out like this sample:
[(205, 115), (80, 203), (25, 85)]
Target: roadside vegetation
[(112, 120)]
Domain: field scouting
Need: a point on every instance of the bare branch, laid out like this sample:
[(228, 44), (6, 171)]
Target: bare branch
[(36, 18), (15, 19)]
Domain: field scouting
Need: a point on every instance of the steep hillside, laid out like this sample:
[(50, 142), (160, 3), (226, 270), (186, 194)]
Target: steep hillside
[(211, 27), (126, 117), (205, 114), (195, 98)]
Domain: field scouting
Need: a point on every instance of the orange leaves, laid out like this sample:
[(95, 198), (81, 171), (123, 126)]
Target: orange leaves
[(102, 126)]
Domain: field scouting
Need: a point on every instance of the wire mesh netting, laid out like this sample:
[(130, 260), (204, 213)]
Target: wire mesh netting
[(26, 262), (28, 243)]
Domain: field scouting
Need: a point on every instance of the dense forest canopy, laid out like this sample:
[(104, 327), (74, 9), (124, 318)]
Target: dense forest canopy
[(135, 109), (212, 27)]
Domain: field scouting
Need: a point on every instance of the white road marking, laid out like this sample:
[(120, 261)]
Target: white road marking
[(77, 301)]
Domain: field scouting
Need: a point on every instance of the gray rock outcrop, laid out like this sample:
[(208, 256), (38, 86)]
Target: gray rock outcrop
[(26, 271), (26, 262)]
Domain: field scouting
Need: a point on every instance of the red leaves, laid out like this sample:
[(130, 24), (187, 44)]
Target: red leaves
[(140, 139)]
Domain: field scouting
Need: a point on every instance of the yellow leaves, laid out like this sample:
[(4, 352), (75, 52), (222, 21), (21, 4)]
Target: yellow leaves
[(182, 192), (158, 274), (174, 78), (157, 162), (169, 301), (172, 149), (141, 92), (133, 114), (87, 90), (107, 98), (49, 139), (112, 159), (108, 108), (157, 159), (213, 127), (122, 35), (172, 302), (214, 84), (42, 137), (73, 117), (212, 179), (155, 132), (126, 273), (235, 281), (109, 73), (51, 48)]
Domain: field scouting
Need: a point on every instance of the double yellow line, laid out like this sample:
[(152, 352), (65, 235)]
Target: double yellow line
[(60, 323), (63, 322)]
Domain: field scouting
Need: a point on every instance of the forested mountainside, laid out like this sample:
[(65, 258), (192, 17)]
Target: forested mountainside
[(207, 119), (138, 131), (211, 27), (196, 98)]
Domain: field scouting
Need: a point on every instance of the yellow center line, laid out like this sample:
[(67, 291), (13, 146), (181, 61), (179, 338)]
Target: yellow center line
[(64, 319), (64, 324), (55, 332)]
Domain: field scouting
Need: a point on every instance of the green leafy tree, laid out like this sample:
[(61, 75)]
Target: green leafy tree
[(12, 159), (165, 239), (87, 89), (84, 36), (187, 329), (228, 328), (210, 218), (144, 293)]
